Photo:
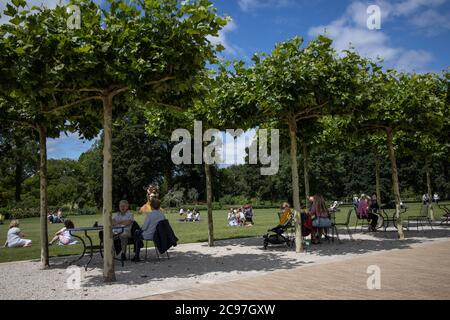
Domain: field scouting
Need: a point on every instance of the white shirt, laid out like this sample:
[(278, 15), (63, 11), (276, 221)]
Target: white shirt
[(13, 236), (66, 235), (189, 215), (119, 216)]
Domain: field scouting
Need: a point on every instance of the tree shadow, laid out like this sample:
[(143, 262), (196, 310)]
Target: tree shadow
[(189, 264), (239, 242), (377, 241), (206, 261)]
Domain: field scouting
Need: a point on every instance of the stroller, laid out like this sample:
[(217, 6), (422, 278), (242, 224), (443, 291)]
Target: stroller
[(285, 233)]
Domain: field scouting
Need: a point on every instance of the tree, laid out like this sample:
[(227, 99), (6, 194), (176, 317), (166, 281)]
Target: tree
[(401, 102), (432, 142), (29, 69), (174, 198), (141, 48), (294, 84), (18, 150), (186, 116), (192, 195), (364, 147), (138, 159)]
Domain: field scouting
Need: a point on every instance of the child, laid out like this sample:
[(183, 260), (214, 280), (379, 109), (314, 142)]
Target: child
[(189, 216), (232, 221), (64, 235), (15, 236)]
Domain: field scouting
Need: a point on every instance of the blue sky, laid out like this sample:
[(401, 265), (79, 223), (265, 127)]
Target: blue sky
[(414, 35)]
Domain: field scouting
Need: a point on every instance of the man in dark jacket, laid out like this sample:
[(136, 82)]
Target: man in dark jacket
[(157, 229), (164, 237)]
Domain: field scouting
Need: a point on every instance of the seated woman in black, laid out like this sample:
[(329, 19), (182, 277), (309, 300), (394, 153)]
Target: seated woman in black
[(373, 209)]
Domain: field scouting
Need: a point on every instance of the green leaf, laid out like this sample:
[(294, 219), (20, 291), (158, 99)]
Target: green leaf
[(220, 47), (16, 20), (20, 50), (193, 31), (10, 10), (84, 49), (152, 3)]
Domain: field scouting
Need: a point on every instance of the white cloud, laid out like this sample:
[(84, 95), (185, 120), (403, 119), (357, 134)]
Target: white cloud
[(431, 21), (251, 5), (410, 59), (350, 30), (429, 15), (222, 39), (409, 7)]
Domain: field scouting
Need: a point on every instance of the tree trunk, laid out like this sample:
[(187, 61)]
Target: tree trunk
[(295, 182), (209, 205), (395, 184), (43, 196), (306, 171), (108, 260), (18, 174), (430, 206), (377, 179)]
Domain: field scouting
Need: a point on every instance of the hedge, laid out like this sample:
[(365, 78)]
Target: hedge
[(22, 213)]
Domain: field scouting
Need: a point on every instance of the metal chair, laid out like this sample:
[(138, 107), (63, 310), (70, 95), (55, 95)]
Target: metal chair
[(138, 237), (423, 217), (156, 250), (335, 224), (446, 216), (364, 220)]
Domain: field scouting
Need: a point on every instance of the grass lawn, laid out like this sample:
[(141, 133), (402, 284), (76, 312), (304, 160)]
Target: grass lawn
[(187, 232)]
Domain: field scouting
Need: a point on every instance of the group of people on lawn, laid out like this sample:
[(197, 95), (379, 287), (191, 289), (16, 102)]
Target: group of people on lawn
[(189, 215), (426, 198), (316, 217), (129, 229), (55, 217), (240, 216)]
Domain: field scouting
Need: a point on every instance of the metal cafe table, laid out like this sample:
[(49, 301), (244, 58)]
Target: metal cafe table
[(90, 245)]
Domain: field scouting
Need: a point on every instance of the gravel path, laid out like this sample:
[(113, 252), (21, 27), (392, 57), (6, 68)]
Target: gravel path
[(192, 265)]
